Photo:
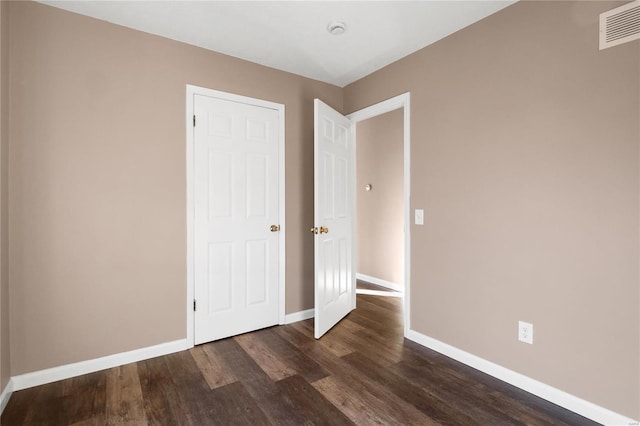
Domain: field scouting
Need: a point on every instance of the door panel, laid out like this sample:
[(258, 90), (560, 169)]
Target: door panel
[(220, 288), (257, 179), (236, 201), (334, 217), (257, 258)]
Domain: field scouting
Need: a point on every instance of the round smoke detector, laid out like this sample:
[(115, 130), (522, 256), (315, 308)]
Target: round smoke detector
[(336, 27)]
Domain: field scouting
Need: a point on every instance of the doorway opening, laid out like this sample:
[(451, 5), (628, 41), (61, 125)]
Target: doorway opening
[(369, 236), (379, 205)]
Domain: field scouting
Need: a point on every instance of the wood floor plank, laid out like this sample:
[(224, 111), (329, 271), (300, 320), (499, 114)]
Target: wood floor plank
[(233, 357), (394, 304), (350, 403), (294, 337), (372, 316), (310, 403), (234, 405), (496, 393), (15, 413), (468, 397), (306, 326), (46, 407), (196, 398), (161, 401), (384, 327), (386, 307), (124, 396), (550, 413), (356, 383), (347, 324), (208, 362), (531, 409), (264, 356), (384, 355), (278, 407), (292, 356), (431, 404), (394, 341), (364, 407), (98, 420), (274, 399), (85, 397), (332, 343)]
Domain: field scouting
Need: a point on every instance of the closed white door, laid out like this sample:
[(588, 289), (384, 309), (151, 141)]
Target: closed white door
[(334, 190), (236, 203)]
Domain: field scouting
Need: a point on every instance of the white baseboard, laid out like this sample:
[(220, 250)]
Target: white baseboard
[(382, 293), (299, 316), (36, 378), (380, 282), (558, 397), (5, 395)]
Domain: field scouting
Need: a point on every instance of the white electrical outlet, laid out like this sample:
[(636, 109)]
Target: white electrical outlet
[(419, 217), (525, 332)]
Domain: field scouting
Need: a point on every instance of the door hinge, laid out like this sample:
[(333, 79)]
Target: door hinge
[(194, 305), (194, 120)]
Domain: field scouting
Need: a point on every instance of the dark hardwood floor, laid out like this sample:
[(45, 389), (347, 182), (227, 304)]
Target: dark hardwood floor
[(361, 372)]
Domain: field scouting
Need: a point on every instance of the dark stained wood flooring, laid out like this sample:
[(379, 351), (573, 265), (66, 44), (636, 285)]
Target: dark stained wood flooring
[(361, 372)]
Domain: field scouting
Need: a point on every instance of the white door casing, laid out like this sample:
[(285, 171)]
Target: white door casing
[(236, 189), (334, 216)]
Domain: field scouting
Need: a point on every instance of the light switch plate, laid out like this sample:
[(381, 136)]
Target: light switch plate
[(419, 217)]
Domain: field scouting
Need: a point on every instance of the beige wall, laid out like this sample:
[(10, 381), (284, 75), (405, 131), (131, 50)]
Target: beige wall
[(379, 221), (98, 189), (525, 158), (5, 371)]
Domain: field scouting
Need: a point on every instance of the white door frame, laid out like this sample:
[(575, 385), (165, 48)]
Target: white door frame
[(191, 92), (400, 101)]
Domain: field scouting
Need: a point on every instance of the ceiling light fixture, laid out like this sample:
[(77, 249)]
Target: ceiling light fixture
[(336, 27)]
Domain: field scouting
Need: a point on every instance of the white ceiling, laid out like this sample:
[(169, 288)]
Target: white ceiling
[(292, 35)]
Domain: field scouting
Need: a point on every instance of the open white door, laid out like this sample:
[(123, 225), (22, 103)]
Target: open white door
[(334, 188)]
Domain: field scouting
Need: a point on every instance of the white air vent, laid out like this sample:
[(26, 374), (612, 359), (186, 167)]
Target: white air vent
[(620, 25)]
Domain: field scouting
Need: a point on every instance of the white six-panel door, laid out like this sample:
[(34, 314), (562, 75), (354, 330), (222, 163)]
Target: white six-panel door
[(236, 203), (334, 217)]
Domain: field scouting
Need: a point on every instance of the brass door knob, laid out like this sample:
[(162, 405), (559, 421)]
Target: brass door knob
[(275, 228), (324, 230), (314, 230)]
